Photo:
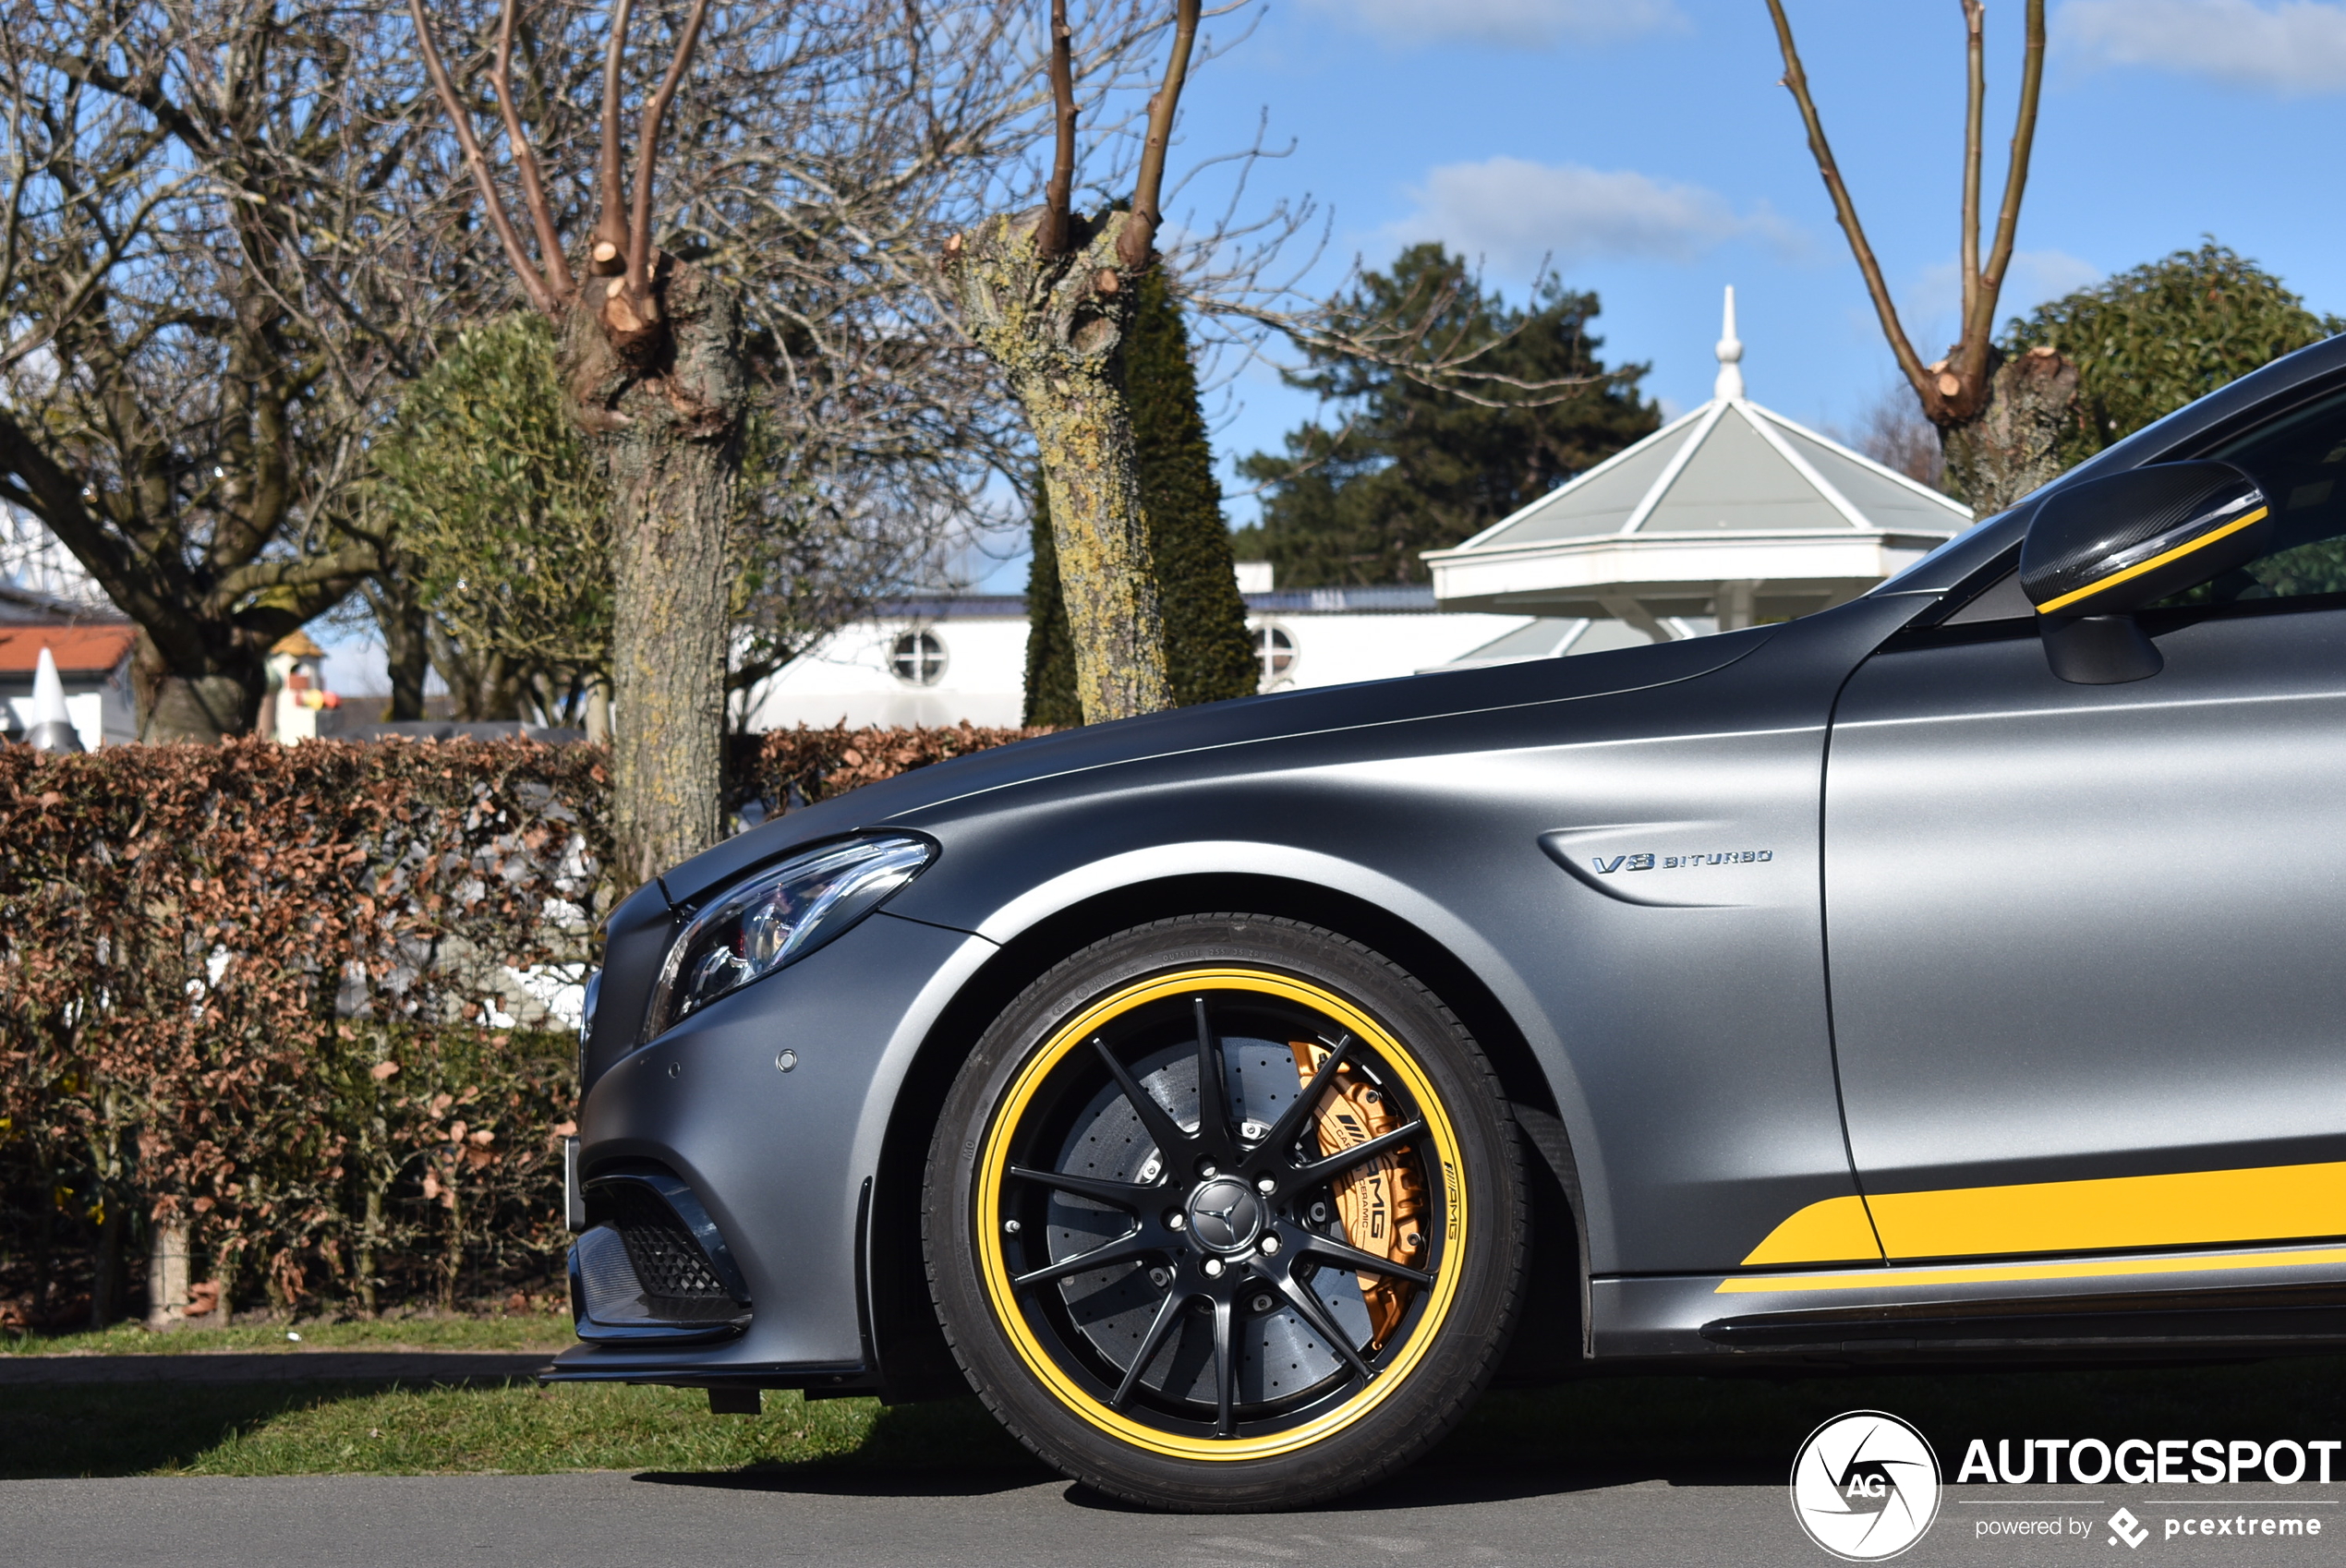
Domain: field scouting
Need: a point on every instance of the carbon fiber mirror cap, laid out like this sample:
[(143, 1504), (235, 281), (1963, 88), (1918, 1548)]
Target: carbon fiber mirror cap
[(2108, 547)]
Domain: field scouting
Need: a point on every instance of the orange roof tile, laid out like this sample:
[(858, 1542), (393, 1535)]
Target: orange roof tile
[(79, 650)]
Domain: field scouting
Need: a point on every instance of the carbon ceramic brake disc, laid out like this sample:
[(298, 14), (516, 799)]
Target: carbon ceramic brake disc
[(1279, 1357)]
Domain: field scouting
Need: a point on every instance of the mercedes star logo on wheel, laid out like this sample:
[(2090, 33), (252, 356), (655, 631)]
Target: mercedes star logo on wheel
[(1224, 1215)]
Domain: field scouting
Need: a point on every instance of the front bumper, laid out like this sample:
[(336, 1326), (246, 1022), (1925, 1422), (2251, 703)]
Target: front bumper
[(650, 1265), (780, 1163)]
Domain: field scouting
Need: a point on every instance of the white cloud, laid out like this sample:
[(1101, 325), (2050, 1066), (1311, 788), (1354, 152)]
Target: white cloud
[(1512, 212), (2034, 277), (2292, 47), (1535, 24)]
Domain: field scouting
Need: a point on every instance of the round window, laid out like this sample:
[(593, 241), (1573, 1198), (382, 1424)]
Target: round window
[(918, 658), (1274, 651)]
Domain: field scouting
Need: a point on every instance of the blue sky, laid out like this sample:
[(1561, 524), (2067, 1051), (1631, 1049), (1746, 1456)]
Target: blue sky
[(1648, 146)]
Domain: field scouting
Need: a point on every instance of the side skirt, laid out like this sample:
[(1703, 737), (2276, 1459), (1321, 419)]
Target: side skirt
[(2238, 1300), (820, 1382), (2302, 1316)]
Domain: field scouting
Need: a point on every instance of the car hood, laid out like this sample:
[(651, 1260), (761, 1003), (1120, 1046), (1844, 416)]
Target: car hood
[(1211, 726)]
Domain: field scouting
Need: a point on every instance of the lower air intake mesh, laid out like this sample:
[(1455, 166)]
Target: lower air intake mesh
[(667, 1260)]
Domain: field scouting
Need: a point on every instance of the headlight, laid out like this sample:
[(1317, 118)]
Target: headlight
[(586, 1020), (775, 917)]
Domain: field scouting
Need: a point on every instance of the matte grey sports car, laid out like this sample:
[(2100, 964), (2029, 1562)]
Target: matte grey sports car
[(1229, 1095)]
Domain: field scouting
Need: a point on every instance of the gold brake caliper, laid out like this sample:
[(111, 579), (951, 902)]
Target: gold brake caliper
[(1380, 1203)]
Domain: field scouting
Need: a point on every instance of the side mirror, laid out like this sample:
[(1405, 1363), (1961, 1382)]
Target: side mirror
[(2098, 551)]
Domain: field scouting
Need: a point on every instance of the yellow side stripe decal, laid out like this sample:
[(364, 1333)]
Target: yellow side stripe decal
[(1835, 1231), (2260, 1203), (1994, 1274), (2155, 563), (2189, 1209)]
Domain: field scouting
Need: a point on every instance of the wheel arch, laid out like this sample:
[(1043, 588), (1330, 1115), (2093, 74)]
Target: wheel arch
[(913, 1358)]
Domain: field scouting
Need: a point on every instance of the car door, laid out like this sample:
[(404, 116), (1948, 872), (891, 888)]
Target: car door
[(2085, 942)]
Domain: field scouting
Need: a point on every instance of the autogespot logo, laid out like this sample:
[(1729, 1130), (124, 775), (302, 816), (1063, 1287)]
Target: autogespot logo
[(1864, 1486)]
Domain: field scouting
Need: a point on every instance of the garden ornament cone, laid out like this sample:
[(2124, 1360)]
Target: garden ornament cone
[(51, 729)]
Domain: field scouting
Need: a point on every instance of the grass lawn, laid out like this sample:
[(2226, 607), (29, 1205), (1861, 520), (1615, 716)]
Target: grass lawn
[(281, 1429), (512, 1331), (1694, 1427)]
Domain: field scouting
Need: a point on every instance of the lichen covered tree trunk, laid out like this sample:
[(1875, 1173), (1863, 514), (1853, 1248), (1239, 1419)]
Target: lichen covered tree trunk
[(2013, 445), (665, 414), (1056, 325)]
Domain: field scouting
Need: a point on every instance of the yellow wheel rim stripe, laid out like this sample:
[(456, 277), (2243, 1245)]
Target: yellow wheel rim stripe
[(994, 1159)]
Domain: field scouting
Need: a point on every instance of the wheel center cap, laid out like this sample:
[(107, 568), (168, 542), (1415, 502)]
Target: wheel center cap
[(1224, 1215)]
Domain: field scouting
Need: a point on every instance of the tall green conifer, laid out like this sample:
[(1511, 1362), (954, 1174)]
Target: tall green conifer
[(1207, 649), (1050, 650), (1414, 468)]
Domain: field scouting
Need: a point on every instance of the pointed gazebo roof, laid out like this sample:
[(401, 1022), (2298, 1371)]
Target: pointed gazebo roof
[(1731, 514)]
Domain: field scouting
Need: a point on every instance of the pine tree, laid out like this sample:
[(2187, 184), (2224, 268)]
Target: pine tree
[(1208, 653), (1050, 650), (1413, 468)]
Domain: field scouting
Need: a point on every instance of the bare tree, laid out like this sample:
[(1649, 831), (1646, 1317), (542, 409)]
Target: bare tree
[(1891, 431), (2000, 421), (1048, 292), (204, 258), (652, 354), (813, 159)]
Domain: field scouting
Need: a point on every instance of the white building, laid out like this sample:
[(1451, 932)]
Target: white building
[(944, 660), (92, 653), (1729, 516)]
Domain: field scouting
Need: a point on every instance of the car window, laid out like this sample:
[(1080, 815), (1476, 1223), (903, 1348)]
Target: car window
[(2300, 461)]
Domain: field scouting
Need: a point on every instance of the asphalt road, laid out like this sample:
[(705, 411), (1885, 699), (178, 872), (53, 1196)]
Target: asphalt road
[(915, 1521)]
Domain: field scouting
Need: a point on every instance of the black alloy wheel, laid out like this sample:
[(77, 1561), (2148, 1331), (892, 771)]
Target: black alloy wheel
[(1224, 1212)]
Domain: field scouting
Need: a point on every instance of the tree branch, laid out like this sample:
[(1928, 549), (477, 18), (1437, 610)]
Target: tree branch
[(90, 286), (352, 561), (639, 247), (608, 257), (129, 578), (145, 92), (1977, 331), (1975, 14), (1796, 80), (533, 188), (1059, 196), (1133, 245), (532, 282)]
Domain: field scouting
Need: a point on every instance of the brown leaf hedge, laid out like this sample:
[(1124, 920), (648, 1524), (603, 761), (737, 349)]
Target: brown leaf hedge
[(297, 994)]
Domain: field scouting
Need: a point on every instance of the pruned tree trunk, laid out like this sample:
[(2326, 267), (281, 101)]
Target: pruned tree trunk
[(669, 435), (2013, 445), (106, 1278), (370, 1230), (406, 642), (1056, 325), (1999, 422), (167, 1278), (174, 705)]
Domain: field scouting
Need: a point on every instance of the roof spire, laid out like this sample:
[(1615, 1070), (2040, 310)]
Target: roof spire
[(1729, 386), (52, 727)]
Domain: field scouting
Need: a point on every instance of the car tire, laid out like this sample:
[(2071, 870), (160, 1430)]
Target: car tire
[(1172, 1307)]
